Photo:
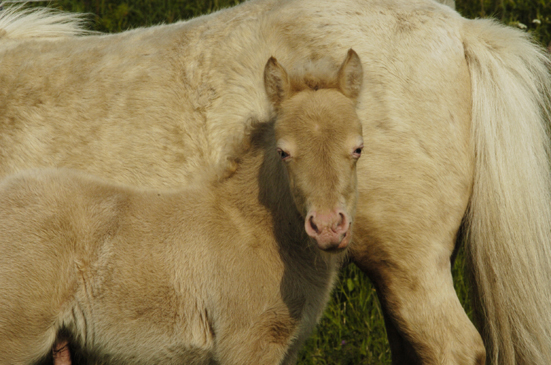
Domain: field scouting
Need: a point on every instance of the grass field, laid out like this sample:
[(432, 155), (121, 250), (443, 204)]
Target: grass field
[(352, 330), (116, 15)]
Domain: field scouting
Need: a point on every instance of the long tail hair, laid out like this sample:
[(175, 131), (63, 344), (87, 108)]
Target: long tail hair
[(509, 218), (17, 22)]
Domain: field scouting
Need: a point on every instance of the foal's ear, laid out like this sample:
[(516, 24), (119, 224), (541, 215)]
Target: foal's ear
[(276, 82), (350, 75)]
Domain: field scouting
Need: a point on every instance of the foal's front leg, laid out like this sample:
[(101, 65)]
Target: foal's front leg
[(266, 341), (244, 349)]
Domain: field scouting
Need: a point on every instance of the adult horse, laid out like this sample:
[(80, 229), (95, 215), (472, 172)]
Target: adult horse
[(455, 130)]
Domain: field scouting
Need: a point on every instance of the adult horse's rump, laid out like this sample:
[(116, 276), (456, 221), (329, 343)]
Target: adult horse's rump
[(455, 129)]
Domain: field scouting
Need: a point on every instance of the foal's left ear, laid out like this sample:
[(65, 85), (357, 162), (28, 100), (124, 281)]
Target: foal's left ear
[(350, 75), (276, 82)]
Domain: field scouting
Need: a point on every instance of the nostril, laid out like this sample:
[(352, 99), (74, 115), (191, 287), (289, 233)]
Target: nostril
[(337, 222), (343, 222), (312, 224)]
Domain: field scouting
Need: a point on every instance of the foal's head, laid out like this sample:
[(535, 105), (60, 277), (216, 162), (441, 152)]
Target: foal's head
[(319, 141)]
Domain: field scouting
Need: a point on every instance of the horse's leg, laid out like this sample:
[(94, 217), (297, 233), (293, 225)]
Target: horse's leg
[(244, 348), (267, 341), (426, 322), (402, 351), (404, 238), (61, 353)]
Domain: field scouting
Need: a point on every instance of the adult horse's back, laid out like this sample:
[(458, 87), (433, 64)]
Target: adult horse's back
[(455, 130)]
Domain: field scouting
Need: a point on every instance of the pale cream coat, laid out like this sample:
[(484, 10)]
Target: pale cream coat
[(455, 130), (219, 273)]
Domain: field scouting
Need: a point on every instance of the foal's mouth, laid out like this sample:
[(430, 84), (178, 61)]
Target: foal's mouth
[(341, 246)]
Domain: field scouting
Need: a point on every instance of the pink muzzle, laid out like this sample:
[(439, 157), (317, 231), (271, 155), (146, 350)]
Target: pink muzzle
[(331, 230)]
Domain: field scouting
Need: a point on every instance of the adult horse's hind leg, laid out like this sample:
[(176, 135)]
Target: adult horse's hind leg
[(402, 351), (429, 324), (408, 259)]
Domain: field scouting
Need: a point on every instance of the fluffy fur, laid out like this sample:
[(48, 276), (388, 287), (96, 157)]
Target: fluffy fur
[(16, 22), (454, 121), (509, 235), (219, 273)]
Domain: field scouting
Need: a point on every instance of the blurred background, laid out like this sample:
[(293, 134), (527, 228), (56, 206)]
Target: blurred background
[(117, 15), (352, 330)]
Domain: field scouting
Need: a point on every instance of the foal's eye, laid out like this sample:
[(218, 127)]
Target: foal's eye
[(357, 152), (282, 154)]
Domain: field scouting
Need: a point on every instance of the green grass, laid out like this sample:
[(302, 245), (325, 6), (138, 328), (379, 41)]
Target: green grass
[(534, 16), (118, 15), (352, 330)]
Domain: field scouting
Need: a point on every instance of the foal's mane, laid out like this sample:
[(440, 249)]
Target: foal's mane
[(314, 75)]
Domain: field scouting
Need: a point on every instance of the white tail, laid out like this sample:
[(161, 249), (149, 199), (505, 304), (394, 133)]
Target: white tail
[(509, 219), (17, 23)]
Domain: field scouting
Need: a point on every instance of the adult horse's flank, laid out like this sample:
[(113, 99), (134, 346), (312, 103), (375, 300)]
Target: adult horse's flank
[(221, 272), (455, 127)]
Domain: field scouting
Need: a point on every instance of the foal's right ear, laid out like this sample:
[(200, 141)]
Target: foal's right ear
[(350, 75), (276, 82)]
